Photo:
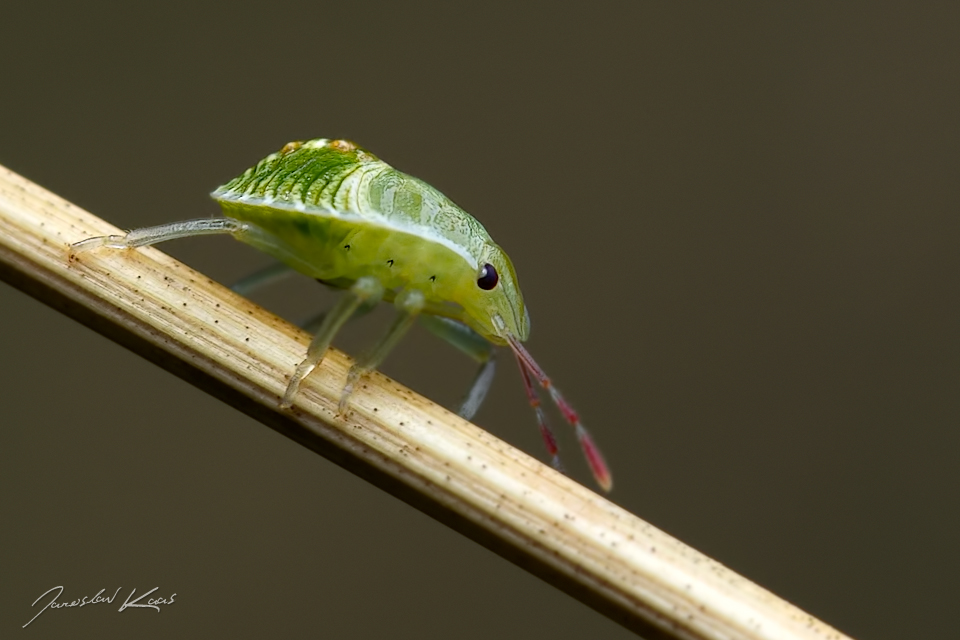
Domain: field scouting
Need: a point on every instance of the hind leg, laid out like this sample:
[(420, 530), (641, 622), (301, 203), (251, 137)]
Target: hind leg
[(161, 233)]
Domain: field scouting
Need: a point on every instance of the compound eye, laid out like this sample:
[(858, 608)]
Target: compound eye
[(488, 277)]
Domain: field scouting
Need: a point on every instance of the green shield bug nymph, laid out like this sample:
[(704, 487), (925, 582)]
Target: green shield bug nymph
[(337, 213)]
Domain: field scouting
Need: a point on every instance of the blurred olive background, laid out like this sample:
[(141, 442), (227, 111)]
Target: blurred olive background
[(736, 230)]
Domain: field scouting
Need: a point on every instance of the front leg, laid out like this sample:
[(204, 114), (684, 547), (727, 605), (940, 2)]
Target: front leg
[(477, 347)]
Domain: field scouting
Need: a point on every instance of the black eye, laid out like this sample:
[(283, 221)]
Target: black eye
[(488, 278)]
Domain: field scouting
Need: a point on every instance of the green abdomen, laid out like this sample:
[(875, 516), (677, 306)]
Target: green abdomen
[(334, 211), (330, 248)]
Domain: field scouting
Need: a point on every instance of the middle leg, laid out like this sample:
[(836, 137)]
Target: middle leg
[(409, 304), (364, 290)]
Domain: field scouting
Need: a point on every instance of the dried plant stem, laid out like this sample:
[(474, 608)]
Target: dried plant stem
[(409, 446)]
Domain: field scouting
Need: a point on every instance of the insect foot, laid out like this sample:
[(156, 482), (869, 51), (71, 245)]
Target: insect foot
[(114, 242), (352, 378)]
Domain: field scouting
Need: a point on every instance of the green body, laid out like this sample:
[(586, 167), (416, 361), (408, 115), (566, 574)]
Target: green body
[(336, 212)]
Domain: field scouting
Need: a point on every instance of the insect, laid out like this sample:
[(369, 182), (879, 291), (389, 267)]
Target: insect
[(337, 213)]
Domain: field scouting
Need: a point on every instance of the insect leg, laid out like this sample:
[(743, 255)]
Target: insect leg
[(313, 323), (409, 304), (474, 345), (277, 271), (161, 233), (363, 290), (271, 273)]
